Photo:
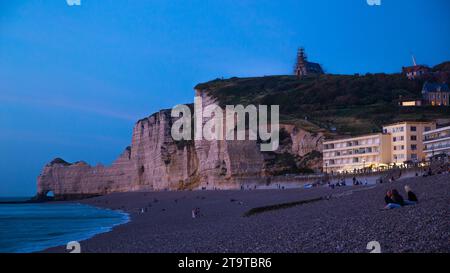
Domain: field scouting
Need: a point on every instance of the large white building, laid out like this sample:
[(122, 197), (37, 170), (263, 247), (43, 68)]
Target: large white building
[(437, 143), (407, 140), (349, 154), (400, 143)]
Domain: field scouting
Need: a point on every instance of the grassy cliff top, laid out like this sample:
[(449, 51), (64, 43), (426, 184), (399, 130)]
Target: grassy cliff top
[(344, 104)]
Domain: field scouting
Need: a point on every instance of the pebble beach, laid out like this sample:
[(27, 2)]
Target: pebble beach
[(319, 220)]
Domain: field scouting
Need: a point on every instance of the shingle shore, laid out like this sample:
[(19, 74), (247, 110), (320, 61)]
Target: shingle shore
[(344, 223)]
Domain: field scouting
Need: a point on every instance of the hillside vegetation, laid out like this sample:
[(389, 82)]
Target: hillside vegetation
[(336, 104)]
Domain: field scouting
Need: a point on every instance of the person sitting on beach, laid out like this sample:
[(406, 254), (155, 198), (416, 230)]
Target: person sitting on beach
[(393, 200), (412, 198), (387, 197), (397, 198)]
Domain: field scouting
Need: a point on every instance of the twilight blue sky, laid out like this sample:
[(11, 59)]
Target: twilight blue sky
[(74, 79)]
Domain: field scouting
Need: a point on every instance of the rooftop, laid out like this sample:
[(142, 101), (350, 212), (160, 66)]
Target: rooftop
[(415, 68), (409, 122), (437, 130), (435, 87), (331, 141)]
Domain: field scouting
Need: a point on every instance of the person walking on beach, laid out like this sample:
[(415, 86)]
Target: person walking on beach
[(195, 213)]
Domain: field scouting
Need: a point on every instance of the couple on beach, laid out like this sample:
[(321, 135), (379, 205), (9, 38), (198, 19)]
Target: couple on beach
[(394, 200)]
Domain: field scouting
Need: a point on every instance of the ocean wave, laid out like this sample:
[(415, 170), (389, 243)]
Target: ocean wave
[(35, 228)]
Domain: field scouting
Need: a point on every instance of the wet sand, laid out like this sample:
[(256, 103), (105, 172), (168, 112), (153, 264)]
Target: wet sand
[(346, 222)]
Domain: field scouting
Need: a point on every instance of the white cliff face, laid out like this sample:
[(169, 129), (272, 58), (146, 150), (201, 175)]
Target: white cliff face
[(80, 179), (222, 163), (303, 142), (159, 161), (154, 161)]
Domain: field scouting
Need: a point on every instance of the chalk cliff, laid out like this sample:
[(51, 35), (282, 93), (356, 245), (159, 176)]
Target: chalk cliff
[(155, 161)]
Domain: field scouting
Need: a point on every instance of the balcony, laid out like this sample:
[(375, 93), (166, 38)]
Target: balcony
[(441, 136), (436, 147)]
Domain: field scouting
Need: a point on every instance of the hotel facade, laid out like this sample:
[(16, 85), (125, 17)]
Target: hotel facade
[(398, 143), (437, 143), (407, 140), (347, 155)]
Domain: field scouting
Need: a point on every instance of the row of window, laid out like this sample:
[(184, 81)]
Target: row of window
[(402, 157), (367, 160), (438, 103), (438, 135), (439, 145), (438, 96), (353, 152), (395, 130), (401, 129), (352, 143), (413, 147), (402, 138)]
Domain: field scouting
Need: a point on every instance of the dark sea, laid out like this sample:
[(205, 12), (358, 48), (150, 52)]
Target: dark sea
[(26, 228)]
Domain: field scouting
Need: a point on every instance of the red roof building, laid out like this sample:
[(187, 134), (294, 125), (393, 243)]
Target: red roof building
[(416, 71)]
